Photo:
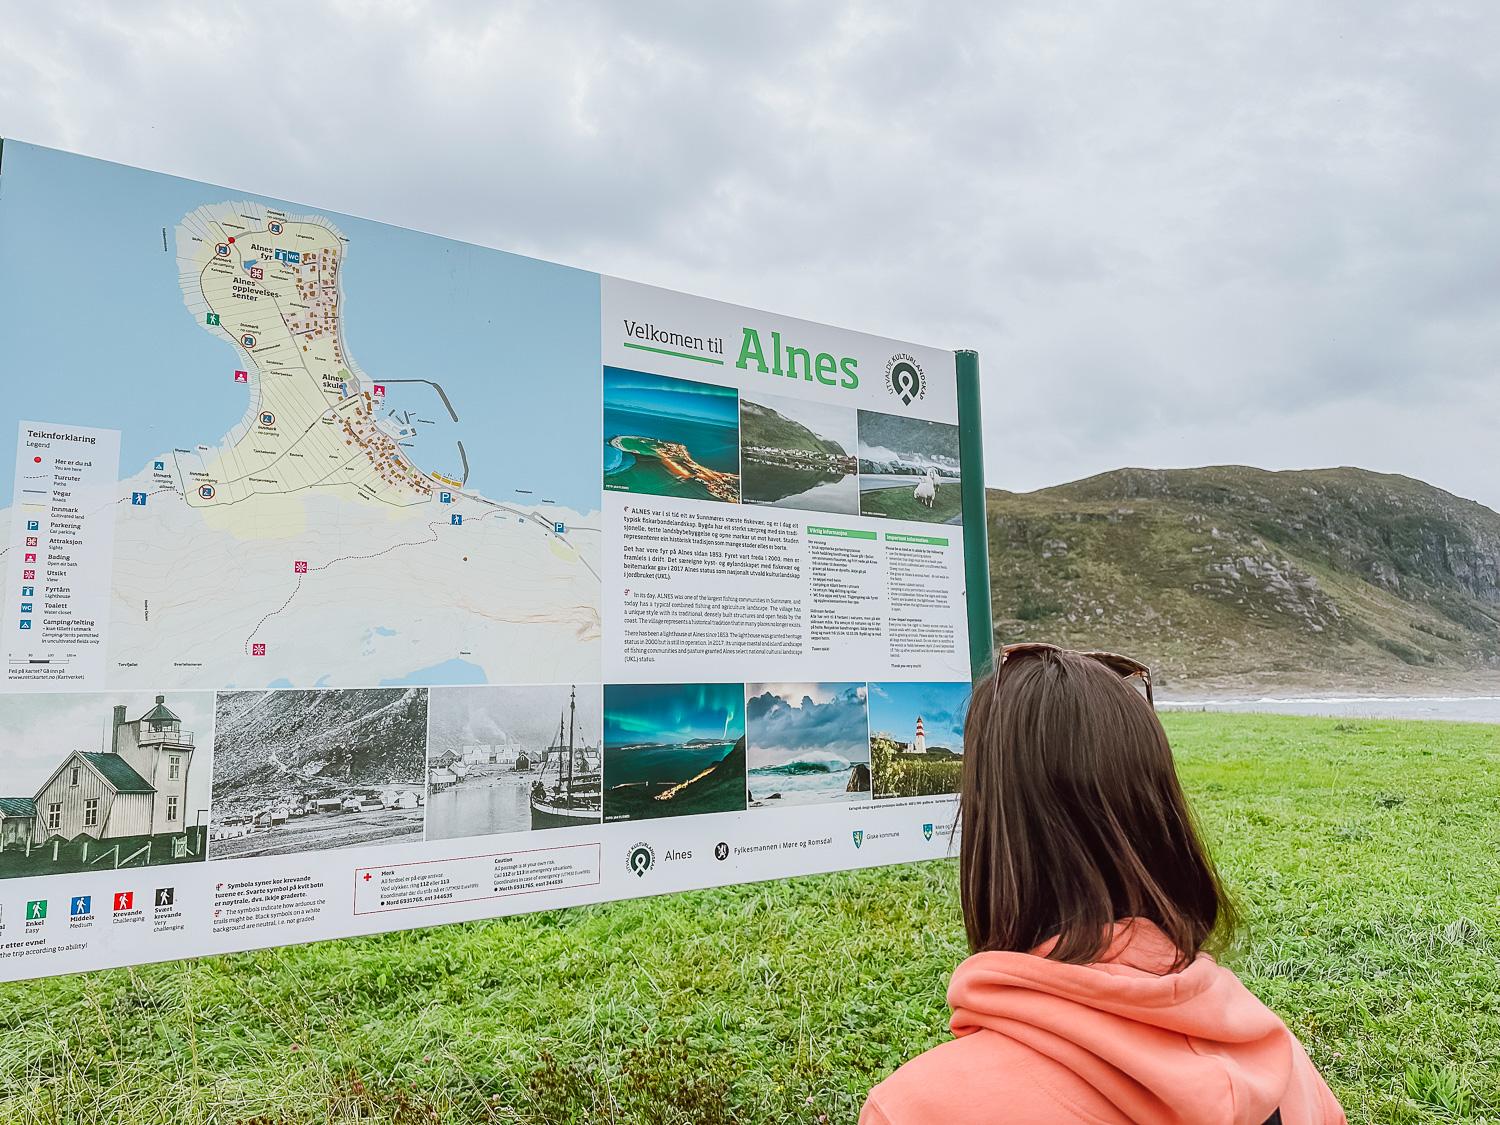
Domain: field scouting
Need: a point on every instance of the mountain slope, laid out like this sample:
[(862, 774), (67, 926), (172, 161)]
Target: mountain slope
[(1237, 577), (761, 426)]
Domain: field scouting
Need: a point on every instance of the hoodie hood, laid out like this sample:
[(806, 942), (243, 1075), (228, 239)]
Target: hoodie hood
[(1174, 1048)]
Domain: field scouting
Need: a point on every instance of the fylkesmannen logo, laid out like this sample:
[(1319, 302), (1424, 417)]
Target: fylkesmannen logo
[(640, 859), (905, 378)]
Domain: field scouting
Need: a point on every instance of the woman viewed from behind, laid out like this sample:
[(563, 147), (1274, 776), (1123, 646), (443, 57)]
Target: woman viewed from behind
[(1089, 900)]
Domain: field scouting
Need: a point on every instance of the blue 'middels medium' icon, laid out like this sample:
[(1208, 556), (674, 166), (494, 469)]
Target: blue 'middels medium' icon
[(138, 499), (82, 904), (455, 519)]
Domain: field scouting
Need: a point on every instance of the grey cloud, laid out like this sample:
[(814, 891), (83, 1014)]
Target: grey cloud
[(1180, 234)]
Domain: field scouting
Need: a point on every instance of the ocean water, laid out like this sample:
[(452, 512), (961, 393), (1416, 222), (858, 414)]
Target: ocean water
[(811, 778), (496, 803), (1456, 708), (665, 764), (782, 487), (505, 336)]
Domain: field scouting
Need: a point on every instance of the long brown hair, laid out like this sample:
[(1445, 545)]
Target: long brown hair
[(1073, 818)]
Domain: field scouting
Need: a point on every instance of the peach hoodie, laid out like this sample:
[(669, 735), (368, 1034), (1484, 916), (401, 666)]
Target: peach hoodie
[(1121, 1040)]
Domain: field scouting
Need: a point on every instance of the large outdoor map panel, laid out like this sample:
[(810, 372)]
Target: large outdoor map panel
[(288, 513), (357, 579)]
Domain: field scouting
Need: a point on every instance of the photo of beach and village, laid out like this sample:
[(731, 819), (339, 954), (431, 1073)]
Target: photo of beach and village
[(670, 437), (908, 469), (799, 454), (673, 750), (304, 771), (511, 759), (806, 744), (917, 738)]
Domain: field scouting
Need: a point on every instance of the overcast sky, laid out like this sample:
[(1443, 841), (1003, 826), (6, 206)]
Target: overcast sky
[(1177, 234)]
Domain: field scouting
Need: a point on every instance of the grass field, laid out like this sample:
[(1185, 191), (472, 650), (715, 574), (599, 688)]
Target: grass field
[(898, 502), (1364, 855)]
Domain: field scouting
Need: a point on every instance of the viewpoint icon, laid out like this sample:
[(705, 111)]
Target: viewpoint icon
[(905, 378), (640, 859)]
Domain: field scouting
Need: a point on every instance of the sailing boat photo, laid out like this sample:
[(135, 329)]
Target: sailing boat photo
[(504, 759), (575, 795)]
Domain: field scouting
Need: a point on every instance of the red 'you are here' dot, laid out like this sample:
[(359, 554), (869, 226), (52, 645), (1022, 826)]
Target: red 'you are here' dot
[(38, 460), (231, 240)]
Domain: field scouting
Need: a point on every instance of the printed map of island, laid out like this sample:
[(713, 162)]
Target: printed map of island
[(670, 437), (288, 515)]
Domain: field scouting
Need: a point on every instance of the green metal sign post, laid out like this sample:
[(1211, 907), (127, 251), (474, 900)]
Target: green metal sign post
[(976, 520)]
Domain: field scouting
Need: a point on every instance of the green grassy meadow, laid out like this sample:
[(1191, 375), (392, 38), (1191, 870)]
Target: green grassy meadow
[(1364, 856), (899, 503), (895, 775)]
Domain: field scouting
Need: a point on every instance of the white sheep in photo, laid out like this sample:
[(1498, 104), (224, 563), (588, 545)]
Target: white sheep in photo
[(926, 491)]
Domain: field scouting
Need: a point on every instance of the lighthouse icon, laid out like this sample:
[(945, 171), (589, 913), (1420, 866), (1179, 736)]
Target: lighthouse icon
[(920, 745)]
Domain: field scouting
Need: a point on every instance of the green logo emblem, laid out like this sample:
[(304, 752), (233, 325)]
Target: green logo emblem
[(926, 831), (859, 837)]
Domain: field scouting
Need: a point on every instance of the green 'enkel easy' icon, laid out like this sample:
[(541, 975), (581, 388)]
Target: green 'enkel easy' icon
[(36, 910), (212, 319)]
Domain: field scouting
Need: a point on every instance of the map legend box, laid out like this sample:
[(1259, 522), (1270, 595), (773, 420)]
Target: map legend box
[(59, 582)]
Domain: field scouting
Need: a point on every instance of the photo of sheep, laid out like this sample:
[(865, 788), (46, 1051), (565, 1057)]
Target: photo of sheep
[(908, 469), (796, 453), (917, 738), (807, 744), (303, 771)]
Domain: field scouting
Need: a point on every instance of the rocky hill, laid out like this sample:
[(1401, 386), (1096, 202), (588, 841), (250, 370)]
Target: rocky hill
[(292, 740), (1241, 579)]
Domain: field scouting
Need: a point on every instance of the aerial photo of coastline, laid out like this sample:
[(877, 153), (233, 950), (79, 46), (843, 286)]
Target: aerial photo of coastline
[(917, 738), (799, 454), (673, 750), (807, 744), (498, 759), (302, 771), (908, 468), (670, 437)]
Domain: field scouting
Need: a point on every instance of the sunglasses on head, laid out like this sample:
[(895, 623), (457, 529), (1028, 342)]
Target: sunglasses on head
[(1133, 672)]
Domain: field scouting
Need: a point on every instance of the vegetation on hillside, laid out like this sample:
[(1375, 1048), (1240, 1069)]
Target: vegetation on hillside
[(764, 427), (1358, 852), (1233, 576)]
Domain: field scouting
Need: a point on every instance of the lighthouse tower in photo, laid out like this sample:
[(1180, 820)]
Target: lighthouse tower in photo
[(920, 746)]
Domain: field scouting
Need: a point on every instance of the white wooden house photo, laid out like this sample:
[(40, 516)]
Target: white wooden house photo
[(119, 780)]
